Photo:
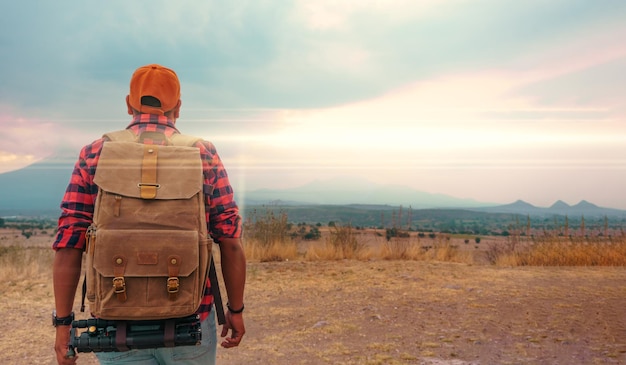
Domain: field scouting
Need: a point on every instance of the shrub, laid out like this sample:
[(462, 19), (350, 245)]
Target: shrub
[(266, 237), (343, 240), (395, 232), (340, 244), (313, 234), (266, 229)]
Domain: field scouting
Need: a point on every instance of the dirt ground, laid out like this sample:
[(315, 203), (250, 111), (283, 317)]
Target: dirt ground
[(387, 312)]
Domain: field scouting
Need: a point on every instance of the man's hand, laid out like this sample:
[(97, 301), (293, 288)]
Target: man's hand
[(60, 346), (65, 277), (234, 273), (234, 322)]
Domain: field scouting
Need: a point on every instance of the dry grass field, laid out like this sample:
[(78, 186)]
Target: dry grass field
[(371, 311)]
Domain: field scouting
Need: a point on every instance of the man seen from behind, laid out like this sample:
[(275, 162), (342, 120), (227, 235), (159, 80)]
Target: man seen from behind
[(154, 103)]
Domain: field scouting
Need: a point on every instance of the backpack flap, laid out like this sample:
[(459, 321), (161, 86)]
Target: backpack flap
[(146, 269), (149, 171)]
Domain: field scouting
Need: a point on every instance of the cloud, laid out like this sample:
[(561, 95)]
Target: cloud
[(25, 141), (328, 15), (271, 54), (437, 133), (303, 87), (13, 161)]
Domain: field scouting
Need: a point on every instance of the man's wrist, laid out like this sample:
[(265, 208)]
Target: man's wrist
[(62, 321), (235, 311)]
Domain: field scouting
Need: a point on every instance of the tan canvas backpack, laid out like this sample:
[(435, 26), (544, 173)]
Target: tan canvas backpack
[(148, 251)]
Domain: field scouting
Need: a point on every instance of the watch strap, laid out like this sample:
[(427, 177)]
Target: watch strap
[(62, 321)]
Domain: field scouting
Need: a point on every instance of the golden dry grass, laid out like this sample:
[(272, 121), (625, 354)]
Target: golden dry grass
[(560, 251), (338, 243), (18, 263), (374, 309), (272, 251)]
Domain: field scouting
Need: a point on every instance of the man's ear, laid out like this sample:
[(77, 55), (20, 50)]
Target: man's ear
[(130, 108), (177, 109)]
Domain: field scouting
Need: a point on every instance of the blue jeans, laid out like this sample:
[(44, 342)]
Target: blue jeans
[(205, 353)]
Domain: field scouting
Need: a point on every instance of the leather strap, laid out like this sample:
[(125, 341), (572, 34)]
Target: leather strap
[(173, 269), (120, 336), (217, 296), (119, 284), (117, 206), (148, 185), (169, 333)]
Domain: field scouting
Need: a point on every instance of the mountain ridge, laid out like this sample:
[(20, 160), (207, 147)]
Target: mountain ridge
[(582, 208), (339, 191), (40, 187)]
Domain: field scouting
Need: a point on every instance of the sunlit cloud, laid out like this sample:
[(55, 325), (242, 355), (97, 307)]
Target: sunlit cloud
[(12, 161), (460, 97), (445, 133), (25, 141)]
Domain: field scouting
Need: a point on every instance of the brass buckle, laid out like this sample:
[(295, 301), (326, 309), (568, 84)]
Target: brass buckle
[(172, 285), (119, 284), (141, 185)]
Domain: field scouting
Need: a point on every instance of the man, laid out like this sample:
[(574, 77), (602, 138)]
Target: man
[(154, 102)]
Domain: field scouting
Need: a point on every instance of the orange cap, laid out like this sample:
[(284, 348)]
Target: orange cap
[(156, 81)]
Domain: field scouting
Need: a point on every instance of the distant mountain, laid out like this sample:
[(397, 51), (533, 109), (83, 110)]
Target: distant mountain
[(342, 191), (515, 207), (585, 205), (38, 188), (584, 208), (559, 205)]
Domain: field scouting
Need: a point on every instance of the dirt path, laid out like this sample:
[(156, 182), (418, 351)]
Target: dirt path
[(389, 312)]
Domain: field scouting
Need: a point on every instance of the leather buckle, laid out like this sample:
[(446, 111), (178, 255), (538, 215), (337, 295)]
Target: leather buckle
[(119, 285), (172, 285)]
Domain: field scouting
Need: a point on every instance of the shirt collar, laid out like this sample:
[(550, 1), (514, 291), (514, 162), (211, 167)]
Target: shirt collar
[(152, 119)]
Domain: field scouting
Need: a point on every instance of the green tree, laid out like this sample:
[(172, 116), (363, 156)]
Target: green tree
[(313, 234)]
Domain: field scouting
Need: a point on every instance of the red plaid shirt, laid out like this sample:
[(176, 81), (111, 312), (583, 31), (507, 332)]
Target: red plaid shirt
[(222, 213)]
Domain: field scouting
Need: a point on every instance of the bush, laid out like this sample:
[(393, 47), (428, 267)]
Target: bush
[(340, 244), (313, 234), (267, 229), (343, 240), (395, 232), (266, 237)]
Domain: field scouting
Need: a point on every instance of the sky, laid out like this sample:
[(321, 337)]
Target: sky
[(491, 100)]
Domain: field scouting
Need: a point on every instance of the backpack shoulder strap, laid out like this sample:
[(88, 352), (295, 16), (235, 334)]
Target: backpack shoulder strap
[(178, 139), (217, 295), (123, 135)]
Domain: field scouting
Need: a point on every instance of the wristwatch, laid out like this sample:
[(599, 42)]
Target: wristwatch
[(62, 321)]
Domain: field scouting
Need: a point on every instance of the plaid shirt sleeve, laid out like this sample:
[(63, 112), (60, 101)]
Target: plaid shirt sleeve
[(221, 209), (77, 206), (222, 212)]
